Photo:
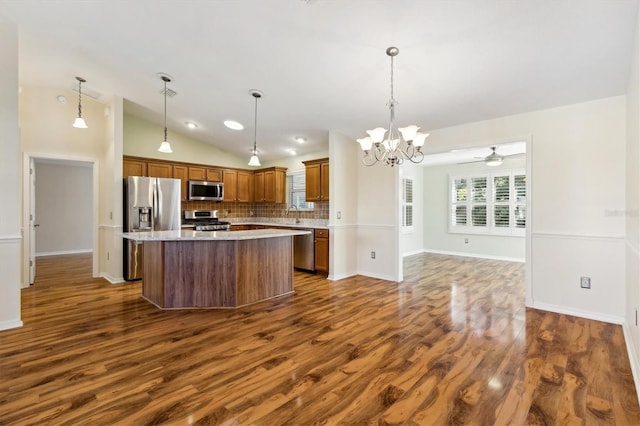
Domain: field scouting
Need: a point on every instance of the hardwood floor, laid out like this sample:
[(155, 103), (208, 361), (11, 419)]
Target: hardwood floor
[(452, 344)]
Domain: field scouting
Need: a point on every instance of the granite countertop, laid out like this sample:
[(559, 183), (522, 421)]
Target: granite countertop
[(188, 235), (289, 223)]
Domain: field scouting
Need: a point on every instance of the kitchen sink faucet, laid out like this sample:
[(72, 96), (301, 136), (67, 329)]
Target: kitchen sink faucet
[(297, 213)]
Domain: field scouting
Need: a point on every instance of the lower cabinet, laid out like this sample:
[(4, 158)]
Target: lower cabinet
[(321, 241)]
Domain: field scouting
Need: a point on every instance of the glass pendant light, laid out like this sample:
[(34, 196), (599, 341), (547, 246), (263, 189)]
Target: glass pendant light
[(165, 147), (79, 122), (254, 161)]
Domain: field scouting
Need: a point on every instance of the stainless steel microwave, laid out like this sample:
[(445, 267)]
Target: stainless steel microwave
[(205, 191)]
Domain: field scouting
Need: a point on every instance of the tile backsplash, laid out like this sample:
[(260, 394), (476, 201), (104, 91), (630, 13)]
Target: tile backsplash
[(266, 210)]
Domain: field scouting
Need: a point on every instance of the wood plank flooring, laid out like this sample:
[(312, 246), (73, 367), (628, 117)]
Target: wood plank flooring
[(452, 344)]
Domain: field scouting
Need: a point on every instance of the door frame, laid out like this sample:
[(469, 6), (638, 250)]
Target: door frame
[(27, 229)]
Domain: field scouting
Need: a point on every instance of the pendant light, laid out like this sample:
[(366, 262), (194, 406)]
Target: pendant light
[(254, 161), (79, 122), (165, 146)]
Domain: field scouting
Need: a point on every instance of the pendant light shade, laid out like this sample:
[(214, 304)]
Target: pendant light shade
[(79, 121), (254, 160), (165, 146)]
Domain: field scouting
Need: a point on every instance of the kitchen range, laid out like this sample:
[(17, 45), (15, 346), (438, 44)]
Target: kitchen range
[(204, 220)]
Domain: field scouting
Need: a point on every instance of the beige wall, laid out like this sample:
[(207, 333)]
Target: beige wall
[(631, 211), (142, 139), (10, 189)]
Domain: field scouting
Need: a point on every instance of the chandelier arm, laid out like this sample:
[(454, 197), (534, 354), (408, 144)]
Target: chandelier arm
[(416, 159), (369, 160)]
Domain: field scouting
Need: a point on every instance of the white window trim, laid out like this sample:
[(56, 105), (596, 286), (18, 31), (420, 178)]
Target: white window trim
[(298, 172), (407, 229), (489, 229)]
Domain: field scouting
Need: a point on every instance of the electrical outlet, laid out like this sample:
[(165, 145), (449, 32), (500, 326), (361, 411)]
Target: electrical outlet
[(466, 241), (373, 254), (111, 215), (339, 215), (585, 282)]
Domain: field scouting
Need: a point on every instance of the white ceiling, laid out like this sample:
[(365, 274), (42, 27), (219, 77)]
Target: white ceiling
[(322, 64)]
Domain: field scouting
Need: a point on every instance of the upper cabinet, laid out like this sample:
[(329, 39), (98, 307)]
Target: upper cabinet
[(161, 170), (270, 185), (317, 179), (205, 174), (133, 167), (182, 173), (238, 186)]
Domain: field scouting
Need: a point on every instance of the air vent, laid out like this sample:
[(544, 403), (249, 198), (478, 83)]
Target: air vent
[(170, 93)]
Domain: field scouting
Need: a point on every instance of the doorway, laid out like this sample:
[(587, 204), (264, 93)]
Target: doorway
[(64, 200)]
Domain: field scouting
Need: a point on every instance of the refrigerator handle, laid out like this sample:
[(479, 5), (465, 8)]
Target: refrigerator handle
[(156, 210)]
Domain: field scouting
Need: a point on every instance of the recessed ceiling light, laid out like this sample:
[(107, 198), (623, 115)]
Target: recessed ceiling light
[(191, 124), (233, 125), (291, 151), (300, 139)]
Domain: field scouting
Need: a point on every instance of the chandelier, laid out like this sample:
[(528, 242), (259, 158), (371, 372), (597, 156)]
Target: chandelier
[(400, 144)]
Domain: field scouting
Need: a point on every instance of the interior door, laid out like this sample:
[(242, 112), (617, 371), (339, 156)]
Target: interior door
[(32, 221)]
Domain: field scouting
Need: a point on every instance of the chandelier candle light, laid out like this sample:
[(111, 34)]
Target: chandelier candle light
[(395, 148), (165, 147), (79, 122), (254, 161)]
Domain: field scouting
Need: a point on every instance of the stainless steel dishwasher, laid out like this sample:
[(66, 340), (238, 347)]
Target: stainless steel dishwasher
[(304, 251)]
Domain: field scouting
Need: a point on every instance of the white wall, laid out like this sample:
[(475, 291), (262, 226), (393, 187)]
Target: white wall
[(413, 242), (10, 234), (142, 139), (577, 159), (378, 230), (631, 213), (294, 163), (343, 193), (437, 238), (64, 208)]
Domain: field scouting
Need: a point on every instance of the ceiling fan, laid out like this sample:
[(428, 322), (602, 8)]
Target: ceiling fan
[(493, 159)]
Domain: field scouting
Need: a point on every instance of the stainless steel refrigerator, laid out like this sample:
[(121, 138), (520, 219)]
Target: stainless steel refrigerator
[(150, 204)]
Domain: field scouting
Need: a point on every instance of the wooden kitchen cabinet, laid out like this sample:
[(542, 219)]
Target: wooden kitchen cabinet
[(270, 185), (321, 246), (244, 187), (205, 174), (131, 167), (230, 180), (161, 170), (182, 173), (317, 179)]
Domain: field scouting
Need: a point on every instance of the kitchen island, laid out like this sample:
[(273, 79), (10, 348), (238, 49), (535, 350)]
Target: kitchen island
[(223, 269)]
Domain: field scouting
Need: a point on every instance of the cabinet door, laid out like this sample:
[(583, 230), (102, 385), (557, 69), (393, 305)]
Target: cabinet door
[(245, 187), (280, 186), (312, 179), (182, 173), (270, 187), (230, 179), (214, 175), (197, 173), (161, 170), (258, 187), (324, 181), (133, 168), (321, 255)]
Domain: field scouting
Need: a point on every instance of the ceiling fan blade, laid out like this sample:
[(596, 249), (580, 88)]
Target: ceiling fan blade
[(476, 161), (520, 154)]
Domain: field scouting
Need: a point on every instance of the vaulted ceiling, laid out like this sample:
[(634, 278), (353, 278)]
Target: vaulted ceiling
[(322, 64)]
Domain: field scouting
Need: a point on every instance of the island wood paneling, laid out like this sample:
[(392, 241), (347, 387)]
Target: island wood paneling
[(453, 344), (264, 268), (217, 274)]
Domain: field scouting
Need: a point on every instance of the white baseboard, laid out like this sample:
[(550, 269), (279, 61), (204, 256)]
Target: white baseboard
[(377, 276), (613, 319), (633, 360), (57, 253), (412, 253), (332, 277), (476, 255), (6, 325), (112, 280)]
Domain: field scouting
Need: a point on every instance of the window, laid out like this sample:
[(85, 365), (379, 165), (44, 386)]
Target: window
[(296, 190), (407, 204), (492, 203)]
